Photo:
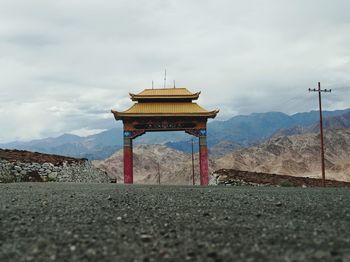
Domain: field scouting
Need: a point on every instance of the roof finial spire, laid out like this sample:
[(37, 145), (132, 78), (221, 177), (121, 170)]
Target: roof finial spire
[(152, 85), (165, 78), (174, 83)]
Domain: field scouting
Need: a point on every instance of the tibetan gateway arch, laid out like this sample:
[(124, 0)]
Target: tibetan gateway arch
[(165, 109)]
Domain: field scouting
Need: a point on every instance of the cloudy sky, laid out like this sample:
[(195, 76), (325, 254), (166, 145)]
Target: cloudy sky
[(64, 64)]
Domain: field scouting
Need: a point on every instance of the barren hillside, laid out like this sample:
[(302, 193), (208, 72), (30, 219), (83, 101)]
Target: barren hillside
[(297, 155), (175, 167)]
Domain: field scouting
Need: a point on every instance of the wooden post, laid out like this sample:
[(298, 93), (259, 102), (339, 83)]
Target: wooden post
[(158, 169), (321, 134), (203, 158), (192, 164), (319, 90), (128, 161)]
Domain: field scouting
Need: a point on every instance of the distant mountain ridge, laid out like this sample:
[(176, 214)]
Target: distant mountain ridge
[(329, 122), (224, 136), (248, 130), (97, 146)]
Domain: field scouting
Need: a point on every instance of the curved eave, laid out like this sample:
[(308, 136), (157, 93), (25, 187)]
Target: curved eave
[(122, 115), (135, 97)]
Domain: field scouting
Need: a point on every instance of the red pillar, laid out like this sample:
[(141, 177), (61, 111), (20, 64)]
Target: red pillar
[(203, 159), (128, 161)]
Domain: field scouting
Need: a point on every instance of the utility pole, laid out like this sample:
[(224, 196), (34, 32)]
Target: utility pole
[(158, 167), (321, 129), (192, 164)]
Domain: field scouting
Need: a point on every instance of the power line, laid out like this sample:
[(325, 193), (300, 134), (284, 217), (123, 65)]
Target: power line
[(290, 102)]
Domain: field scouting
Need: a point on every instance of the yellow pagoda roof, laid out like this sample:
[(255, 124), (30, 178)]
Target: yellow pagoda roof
[(164, 93), (165, 109)]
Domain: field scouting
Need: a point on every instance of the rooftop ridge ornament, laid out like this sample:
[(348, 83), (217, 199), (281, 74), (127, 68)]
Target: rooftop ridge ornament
[(165, 79), (165, 93), (165, 109)]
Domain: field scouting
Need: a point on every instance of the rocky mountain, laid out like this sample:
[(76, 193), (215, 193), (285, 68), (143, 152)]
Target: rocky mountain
[(330, 122), (297, 155), (174, 167), (98, 146), (93, 147), (248, 130), (224, 147), (224, 136)]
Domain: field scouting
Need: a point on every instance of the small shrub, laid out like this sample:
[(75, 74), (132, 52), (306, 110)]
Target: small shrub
[(286, 183)]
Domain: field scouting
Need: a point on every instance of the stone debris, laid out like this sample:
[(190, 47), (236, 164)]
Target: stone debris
[(109, 198), (20, 170), (146, 238), (232, 177)]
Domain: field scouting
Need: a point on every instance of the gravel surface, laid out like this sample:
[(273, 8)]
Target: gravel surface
[(108, 222)]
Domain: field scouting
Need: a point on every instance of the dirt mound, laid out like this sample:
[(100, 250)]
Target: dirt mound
[(26, 156), (231, 176)]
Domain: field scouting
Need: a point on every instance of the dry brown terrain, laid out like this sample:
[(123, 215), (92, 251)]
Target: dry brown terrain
[(13, 155), (296, 155), (175, 167)]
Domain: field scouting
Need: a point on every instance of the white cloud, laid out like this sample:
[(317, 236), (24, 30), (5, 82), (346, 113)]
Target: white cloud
[(85, 131), (65, 64)]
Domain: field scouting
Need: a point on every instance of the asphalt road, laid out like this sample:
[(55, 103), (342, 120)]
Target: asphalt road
[(106, 222)]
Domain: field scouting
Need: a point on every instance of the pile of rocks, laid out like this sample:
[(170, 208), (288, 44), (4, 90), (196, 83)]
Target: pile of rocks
[(243, 178), (79, 171), (223, 179), (5, 174)]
